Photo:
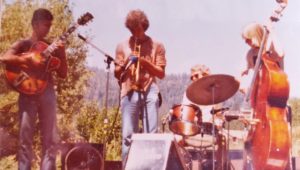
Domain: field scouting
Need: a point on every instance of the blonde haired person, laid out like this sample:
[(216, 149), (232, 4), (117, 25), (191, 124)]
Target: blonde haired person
[(253, 35)]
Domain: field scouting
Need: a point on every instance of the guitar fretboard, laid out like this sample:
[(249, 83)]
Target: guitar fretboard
[(63, 38)]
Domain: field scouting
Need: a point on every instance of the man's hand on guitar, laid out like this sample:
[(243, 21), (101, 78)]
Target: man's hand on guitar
[(33, 60), (59, 44)]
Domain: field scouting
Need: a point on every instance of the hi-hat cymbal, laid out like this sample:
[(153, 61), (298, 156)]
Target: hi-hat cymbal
[(212, 89)]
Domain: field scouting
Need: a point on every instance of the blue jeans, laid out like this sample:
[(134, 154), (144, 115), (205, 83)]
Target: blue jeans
[(43, 107), (133, 105)]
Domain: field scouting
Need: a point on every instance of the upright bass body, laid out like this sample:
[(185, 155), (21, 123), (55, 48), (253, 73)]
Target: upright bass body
[(271, 140)]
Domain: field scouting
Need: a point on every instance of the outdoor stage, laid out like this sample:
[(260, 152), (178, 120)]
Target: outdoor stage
[(162, 152)]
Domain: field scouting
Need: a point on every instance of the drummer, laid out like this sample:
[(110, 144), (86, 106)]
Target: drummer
[(197, 72)]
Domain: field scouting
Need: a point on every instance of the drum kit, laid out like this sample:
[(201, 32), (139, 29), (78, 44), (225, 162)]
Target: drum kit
[(186, 120)]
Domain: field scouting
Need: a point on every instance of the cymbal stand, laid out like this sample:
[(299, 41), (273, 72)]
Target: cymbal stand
[(164, 122), (213, 128), (228, 120)]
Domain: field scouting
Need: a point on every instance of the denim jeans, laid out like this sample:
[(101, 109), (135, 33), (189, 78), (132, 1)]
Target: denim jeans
[(43, 107), (134, 105)]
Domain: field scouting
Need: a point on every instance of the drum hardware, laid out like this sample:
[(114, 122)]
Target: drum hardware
[(242, 117), (213, 130), (247, 122), (229, 118), (164, 121), (212, 89), (214, 111), (203, 143)]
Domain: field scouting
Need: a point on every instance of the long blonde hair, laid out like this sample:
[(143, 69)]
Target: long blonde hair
[(254, 32)]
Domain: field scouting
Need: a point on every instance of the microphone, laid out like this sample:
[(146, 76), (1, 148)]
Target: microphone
[(214, 111), (132, 60)]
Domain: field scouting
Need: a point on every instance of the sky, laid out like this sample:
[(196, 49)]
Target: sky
[(194, 32)]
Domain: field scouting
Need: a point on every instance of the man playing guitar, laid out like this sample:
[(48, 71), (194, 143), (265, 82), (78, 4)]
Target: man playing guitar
[(43, 104)]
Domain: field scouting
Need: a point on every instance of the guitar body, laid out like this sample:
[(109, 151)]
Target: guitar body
[(271, 140), (28, 80)]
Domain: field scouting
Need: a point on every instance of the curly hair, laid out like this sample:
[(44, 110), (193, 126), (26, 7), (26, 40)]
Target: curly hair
[(135, 17)]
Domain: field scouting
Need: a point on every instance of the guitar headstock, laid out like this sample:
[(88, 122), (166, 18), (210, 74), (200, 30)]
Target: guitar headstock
[(85, 18)]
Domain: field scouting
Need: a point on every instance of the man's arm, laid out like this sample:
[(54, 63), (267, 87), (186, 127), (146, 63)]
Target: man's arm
[(158, 67), (10, 57), (157, 71)]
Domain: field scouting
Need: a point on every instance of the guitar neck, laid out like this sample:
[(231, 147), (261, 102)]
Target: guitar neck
[(257, 64), (52, 47), (63, 38)]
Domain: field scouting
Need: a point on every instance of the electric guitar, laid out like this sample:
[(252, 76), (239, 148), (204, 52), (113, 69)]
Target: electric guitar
[(27, 80)]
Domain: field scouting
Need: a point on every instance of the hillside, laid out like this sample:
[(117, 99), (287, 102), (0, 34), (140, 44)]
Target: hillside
[(172, 88)]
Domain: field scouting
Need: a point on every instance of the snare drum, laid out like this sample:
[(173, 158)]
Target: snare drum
[(185, 119)]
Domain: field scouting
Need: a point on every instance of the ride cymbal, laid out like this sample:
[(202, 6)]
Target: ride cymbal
[(212, 89)]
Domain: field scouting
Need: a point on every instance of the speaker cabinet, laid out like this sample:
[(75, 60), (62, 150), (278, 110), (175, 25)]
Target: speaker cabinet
[(156, 151), (77, 156)]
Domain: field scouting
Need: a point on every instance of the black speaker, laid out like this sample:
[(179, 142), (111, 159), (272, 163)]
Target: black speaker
[(156, 151), (77, 156)]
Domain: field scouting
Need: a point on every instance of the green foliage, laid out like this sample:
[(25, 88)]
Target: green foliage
[(16, 21), (295, 106), (97, 88), (9, 163), (15, 25), (95, 127), (8, 124)]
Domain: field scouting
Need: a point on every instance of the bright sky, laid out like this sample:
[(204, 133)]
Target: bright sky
[(195, 31)]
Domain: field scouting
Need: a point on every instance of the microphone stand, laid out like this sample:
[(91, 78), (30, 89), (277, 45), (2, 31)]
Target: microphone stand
[(108, 61)]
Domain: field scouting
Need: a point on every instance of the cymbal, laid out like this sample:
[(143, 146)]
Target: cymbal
[(212, 89)]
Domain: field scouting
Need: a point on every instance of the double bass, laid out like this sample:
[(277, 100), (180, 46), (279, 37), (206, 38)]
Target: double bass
[(270, 139)]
